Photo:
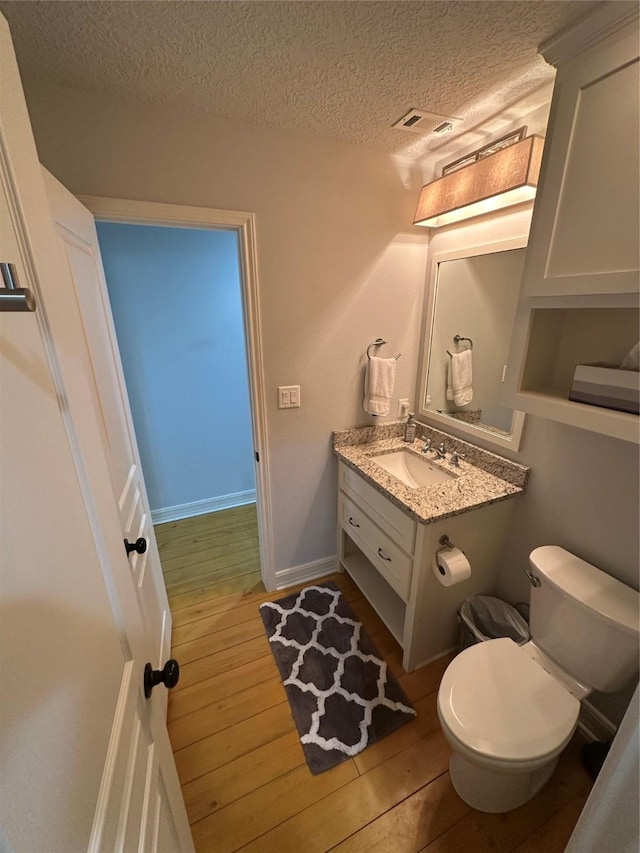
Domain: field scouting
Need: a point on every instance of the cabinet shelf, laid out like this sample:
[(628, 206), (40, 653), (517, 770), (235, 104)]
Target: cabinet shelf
[(387, 604), (559, 339), (552, 403)]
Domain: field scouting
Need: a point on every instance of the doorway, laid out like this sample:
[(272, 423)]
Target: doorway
[(239, 228), (176, 302)]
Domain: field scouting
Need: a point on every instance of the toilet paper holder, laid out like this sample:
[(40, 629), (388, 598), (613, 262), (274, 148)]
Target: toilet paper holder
[(445, 545), (441, 570)]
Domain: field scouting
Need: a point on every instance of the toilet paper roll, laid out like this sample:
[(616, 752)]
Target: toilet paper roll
[(451, 566)]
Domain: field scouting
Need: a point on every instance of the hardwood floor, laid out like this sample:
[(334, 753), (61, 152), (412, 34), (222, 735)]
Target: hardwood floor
[(243, 773)]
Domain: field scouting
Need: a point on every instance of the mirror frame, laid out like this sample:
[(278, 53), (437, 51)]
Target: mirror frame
[(511, 442)]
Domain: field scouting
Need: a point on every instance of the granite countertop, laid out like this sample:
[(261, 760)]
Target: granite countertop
[(483, 478)]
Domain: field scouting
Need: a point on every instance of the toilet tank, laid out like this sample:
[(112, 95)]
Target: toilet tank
[(584, 619)]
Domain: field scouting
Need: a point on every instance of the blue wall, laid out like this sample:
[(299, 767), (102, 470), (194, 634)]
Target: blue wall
[(176, 302)]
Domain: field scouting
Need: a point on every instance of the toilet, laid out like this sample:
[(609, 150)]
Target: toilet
[(508, 711)]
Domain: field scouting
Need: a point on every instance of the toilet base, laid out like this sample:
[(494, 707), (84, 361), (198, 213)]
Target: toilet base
[(496, 791)]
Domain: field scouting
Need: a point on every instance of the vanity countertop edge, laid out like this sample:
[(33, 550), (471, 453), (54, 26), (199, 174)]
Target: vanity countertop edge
[(483, 478)]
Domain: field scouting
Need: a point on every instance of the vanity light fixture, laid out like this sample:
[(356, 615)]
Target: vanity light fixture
[(500, 174)]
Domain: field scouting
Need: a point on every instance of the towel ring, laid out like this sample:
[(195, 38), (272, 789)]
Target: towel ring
[(457, 339), (378, 343)]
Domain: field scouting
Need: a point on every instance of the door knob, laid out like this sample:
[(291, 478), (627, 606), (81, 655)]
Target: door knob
[(168, 675), (139, 546)]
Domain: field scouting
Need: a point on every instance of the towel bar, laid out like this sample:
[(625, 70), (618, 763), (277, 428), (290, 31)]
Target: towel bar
[(378, 343), (12, 297), (457, 339)]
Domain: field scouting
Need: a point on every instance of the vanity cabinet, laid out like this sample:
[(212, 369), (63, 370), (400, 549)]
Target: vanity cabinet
[(389, 554), (578, 301)]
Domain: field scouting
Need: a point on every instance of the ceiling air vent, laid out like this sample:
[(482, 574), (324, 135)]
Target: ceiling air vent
[(422, 121)]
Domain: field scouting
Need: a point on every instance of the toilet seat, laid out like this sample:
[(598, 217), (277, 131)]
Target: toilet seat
[(500, 704)]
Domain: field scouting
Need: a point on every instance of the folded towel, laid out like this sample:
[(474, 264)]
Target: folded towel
[(449, 388), (459, 378), (631, 361), (379, 377)]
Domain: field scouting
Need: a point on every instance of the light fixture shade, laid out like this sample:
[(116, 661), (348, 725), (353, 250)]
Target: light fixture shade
[(509, 176)]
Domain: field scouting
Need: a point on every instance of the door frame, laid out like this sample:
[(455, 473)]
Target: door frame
[(243, 224)]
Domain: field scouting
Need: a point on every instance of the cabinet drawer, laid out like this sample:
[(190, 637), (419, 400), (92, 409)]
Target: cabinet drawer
[(386, 515), (390, 560)]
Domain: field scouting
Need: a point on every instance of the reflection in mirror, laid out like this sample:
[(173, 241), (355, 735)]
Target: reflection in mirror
[(474, 297)]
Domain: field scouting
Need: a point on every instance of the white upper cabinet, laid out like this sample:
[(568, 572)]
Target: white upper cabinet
[(578, 301), (586, 221)]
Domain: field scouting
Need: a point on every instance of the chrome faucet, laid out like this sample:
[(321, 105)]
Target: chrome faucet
[(455, 458), (427, 446), (440, 454)]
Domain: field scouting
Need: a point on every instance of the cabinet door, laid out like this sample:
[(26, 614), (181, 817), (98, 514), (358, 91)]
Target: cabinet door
[(585, 227)]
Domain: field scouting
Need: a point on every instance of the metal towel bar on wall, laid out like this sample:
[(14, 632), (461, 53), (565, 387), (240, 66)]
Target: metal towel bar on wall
[(13, 297), (457, 339), (378, 343)]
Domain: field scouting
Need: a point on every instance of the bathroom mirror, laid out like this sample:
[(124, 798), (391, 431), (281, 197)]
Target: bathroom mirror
[(473, 295)]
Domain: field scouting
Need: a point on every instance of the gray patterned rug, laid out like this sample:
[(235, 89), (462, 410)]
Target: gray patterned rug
[(341, 695)]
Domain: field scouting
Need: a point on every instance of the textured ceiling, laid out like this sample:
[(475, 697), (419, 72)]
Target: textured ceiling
[(342, 70)]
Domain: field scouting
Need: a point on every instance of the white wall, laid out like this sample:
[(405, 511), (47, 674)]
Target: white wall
[(177, 308), (339, 264)]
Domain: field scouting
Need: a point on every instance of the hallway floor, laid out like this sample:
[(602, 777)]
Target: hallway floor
[(243, 774)]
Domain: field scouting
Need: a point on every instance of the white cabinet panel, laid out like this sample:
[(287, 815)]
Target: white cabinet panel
[(584, 230), (598, 221), (390, 561), (388, 517)]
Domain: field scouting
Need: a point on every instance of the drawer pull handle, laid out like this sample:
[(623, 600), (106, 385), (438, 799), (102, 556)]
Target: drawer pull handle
[(352, 522), (382, 556)]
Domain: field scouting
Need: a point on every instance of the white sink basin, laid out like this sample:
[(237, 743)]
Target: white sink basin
[(412, 470)]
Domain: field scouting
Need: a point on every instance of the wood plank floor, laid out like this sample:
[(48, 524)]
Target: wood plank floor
[(243, 774)]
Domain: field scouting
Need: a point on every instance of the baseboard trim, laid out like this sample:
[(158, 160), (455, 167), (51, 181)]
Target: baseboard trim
[(306, 572), (174, 513), (593, 723), (435, 658)]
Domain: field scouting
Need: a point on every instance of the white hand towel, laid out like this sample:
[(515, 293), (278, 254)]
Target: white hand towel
[(460, 377), (379, 378)]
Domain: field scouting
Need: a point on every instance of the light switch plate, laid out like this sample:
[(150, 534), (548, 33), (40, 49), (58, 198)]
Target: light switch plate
[(288, 396)]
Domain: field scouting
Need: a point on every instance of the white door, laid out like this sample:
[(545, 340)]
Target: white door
[(77, 232), (86, 760)]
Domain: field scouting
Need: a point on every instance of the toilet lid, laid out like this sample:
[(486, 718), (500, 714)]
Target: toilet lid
[(500, 703)]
